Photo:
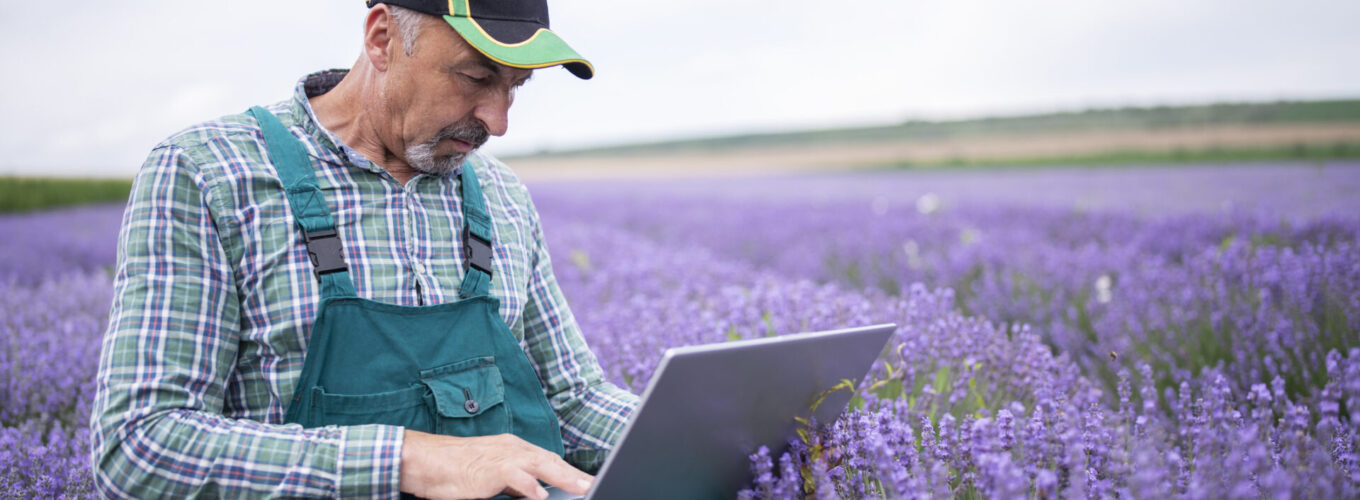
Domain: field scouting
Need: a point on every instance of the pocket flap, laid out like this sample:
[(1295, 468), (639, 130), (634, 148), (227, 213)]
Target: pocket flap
[(467, 388)]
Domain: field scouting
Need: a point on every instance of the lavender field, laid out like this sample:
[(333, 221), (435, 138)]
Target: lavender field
[(1139, 332)]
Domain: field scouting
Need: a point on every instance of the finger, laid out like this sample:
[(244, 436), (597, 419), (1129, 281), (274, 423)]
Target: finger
[(548, 466), (553, 470), (525, 485)]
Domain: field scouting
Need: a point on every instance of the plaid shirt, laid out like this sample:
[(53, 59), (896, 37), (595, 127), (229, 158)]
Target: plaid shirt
[(214, 301)]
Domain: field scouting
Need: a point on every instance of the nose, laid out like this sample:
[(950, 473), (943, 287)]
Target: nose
[(494, 111)]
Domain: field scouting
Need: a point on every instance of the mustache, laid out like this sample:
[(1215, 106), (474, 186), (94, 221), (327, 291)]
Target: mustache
[(472, 132)]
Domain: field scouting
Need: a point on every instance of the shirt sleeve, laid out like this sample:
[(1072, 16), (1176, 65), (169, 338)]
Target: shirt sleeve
[(157, 425), (592, 410)]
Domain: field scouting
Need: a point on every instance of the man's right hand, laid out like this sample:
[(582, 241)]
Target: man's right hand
[(447, 467)]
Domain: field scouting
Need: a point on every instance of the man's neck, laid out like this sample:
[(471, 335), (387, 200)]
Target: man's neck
[(341, 111)]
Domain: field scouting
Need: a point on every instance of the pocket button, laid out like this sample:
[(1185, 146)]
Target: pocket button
[(471, 406)]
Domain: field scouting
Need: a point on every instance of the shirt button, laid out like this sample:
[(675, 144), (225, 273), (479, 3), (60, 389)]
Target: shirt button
[(471, 406)]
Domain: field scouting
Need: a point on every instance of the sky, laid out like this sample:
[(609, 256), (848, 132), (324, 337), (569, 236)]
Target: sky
[(90, 87)]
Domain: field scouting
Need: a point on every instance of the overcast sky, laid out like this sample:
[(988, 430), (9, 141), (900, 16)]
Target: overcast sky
[(90, 87)]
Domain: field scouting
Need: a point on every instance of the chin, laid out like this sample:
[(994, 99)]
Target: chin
[(445, 164), (422, 159)]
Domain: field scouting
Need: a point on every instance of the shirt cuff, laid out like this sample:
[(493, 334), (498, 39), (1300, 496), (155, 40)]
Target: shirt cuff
[(588, 461), (370, 461)]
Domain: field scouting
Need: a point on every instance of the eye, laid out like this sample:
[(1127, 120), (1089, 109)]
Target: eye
[(476, 78)]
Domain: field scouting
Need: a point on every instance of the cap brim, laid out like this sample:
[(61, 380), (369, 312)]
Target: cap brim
[(542, 49)]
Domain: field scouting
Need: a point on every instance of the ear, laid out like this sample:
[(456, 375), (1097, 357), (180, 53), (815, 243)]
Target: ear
[(378, 37)]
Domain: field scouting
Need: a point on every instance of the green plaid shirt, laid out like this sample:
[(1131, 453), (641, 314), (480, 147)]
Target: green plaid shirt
[(214, 301)]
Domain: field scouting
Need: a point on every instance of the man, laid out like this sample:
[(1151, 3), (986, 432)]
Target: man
[(339, 296)]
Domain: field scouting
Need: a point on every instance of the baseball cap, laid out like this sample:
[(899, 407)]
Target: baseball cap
[(511, 32)]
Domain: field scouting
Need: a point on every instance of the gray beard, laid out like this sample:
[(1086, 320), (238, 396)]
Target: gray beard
[(423, 159)]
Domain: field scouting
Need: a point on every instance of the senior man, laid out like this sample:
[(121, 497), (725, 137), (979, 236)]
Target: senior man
[(339, 296)]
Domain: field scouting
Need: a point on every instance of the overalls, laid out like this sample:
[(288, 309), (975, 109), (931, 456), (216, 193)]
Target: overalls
[(451, 368)]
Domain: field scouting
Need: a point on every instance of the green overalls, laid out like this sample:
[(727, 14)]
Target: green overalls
[(451, 368)]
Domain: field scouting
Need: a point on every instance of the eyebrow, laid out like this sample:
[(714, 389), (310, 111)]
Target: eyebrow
[(498, 69), (490, 66)]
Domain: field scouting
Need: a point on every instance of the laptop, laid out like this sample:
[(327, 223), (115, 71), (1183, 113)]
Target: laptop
[(709, 407)]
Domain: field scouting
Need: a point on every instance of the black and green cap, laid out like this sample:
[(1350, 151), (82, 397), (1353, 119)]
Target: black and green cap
[(511, 32)]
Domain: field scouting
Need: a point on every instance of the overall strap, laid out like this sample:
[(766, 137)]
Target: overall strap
[(290, 158), (476, 237)]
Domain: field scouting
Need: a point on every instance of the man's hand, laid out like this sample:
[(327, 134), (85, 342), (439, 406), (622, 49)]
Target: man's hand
[(446, 467)]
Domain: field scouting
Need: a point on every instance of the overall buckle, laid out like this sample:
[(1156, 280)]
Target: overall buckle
[(477, 250), (327, 253)]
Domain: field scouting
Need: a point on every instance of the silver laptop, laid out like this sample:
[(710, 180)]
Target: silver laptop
[(709, 407)]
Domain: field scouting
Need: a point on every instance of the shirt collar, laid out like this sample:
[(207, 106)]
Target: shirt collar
[(314, 85)]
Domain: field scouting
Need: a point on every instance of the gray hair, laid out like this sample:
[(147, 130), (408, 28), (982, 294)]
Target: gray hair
[(408, 23)]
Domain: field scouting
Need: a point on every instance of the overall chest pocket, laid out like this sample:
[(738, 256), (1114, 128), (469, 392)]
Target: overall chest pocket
[(403, 407), (467, 398)]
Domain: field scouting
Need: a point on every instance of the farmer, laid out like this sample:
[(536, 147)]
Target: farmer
[(338, 295)]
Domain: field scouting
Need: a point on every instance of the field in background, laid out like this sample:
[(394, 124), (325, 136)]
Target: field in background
[(1225, 133), (20, 194), (1319, 132)]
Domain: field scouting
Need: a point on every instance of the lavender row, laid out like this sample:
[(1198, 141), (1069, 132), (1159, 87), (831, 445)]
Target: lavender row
[(972, 403), (49, 347), (1252, 294), (39, 246), (962, 406), (1294, 191), (944, 419), (55, 290)]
